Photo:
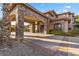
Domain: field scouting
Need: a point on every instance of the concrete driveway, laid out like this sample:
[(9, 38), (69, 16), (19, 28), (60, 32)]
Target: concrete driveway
[(60, 45)]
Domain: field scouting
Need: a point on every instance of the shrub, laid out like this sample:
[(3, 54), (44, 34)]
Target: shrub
[(26, 29), (73, 32), (56, 32)]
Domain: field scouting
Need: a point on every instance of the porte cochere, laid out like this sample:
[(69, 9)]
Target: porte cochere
[(39, 22)]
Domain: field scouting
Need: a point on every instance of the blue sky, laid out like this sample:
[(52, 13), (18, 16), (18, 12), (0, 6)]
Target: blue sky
[(58, 7), (0, 10)]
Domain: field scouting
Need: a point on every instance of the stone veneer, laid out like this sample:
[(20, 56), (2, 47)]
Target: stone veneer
[(6, 25), (19, 24)]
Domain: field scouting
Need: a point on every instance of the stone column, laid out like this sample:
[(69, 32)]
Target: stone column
[(19, 25), (36, 27), (50, 26), (65, 27), (71, 22), (6, 24), (32, 27), (39, 27), (45, 28)]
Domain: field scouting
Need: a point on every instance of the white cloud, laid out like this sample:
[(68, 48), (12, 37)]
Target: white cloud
[(42, 5), (67, 9), (64, 10)]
